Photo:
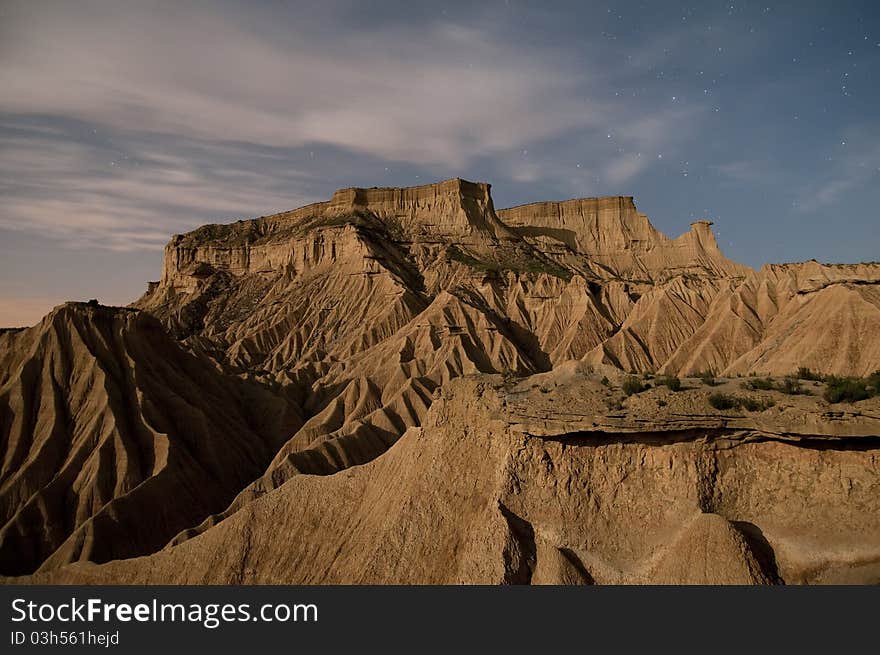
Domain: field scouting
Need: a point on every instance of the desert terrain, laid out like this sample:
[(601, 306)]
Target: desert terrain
[(408, 386)]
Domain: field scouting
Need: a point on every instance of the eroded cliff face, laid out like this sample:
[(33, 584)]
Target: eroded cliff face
[(506, 483), (599, 226), (115, 438), (606, 237), (787, 316), (454, 210), (612, 233)]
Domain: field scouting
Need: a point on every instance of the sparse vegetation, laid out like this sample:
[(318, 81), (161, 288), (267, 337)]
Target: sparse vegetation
[(755, 405), (758, 384), (804, 373), (724, 401), (520, 265), (632, 385), (540, 266), (792, 387), (458, 255), (707, 378), (851, 390), (670, 382)]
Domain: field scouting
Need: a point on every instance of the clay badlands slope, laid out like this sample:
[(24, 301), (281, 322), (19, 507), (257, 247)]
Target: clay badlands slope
[(288, 350)]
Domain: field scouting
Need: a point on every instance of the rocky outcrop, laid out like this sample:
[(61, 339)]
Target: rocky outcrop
[(455, 209), (614, 234), (115, 438), (476, 496), (788, 316)]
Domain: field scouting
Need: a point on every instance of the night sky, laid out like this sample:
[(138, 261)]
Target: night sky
[(123, 123)]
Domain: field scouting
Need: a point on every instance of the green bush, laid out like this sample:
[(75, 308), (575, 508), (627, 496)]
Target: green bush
[(632, 384), (758, 384), (850, 390), (725, 401), (803, 373), (673, 383), (792, 387)]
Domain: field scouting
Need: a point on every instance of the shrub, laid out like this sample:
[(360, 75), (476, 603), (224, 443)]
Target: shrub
[(707, 378), (724, 401), (662, 403), (758, 384), (851, 390), (803, 373), (756, 405), (673, 383), (632, 384), (792, 387), (605, 381)]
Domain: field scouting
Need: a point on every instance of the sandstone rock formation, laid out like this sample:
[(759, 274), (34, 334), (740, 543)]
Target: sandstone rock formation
[(115, 438), (619, 240), (309, 342), (503, 485)]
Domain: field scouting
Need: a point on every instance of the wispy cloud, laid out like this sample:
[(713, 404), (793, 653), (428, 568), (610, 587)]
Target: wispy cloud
[(436, 93), (87, 193), (126, 122), (854, 165)]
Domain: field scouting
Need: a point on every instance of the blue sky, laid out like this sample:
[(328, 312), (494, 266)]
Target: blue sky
[(123, 123)]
